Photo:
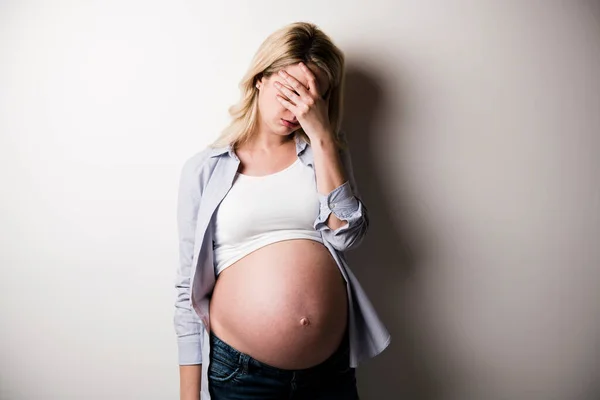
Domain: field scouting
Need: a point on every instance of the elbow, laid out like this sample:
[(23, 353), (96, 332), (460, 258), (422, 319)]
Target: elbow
[(348, 236), (351, 234)]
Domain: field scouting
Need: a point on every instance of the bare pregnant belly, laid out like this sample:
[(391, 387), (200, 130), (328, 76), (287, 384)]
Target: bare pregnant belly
[(284, 304)]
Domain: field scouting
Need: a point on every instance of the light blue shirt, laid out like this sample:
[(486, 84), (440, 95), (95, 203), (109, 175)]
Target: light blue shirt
[(205, 179)]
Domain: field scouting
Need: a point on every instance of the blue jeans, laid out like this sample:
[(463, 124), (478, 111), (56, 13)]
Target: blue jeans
[(234, 375)]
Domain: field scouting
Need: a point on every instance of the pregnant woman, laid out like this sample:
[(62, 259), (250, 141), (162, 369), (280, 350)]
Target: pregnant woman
[(267, 307)]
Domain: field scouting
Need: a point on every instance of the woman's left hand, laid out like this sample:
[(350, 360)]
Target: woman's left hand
[(306, 104)]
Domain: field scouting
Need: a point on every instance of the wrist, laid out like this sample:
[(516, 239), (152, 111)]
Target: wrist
[(323, 142)]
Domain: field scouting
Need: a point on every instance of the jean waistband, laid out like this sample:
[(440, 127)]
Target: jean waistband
[(340, 355)]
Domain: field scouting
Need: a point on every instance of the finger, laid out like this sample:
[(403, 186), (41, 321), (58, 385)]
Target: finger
[(286, 103), (312, 79), (290, 94), (302, 90)]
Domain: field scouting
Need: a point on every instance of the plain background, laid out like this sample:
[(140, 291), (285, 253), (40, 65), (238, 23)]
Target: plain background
[(474, 131)]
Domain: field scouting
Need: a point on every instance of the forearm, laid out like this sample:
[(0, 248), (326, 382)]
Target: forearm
[(328, 171), (189, 382)]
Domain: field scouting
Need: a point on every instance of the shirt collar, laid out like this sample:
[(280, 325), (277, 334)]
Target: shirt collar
[(217, 151)]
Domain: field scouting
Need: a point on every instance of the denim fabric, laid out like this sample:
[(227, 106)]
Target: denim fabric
[(234, 375)]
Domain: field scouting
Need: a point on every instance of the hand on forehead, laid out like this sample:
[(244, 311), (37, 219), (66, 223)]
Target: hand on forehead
[(296, 71)]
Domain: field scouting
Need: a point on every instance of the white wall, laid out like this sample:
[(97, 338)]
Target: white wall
[(474, 128)]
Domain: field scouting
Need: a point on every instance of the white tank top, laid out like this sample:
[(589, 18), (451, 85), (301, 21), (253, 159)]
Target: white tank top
[(259, 210)]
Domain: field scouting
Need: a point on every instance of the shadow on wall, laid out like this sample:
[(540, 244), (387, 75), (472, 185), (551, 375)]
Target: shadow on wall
[(388, 261)]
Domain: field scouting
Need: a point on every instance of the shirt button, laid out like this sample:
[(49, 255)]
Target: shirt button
[(332, 205)]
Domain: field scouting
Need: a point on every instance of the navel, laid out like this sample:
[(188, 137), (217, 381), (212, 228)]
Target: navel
[(304, 321)]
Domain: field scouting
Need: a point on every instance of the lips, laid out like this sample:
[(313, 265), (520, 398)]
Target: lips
[(290, 123)]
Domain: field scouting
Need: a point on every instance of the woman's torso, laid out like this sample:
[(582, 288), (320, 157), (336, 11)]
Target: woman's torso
[(284, 298)]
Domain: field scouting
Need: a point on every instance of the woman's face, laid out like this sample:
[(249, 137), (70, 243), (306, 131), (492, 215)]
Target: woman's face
[(271, 111)]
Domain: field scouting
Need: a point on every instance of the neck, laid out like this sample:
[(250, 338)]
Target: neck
[(269, 142)]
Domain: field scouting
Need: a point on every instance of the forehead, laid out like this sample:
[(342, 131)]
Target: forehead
[(296, 71)]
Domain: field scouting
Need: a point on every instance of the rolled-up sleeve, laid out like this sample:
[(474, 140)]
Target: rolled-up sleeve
[(346, 204), (188, 326)]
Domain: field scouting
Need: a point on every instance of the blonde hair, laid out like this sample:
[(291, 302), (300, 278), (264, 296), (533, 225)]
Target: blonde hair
[(295, 42)]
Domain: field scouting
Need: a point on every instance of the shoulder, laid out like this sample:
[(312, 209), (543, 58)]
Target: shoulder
[(197, 169), (198, 160)]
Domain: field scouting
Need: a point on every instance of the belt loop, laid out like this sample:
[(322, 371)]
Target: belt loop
[(244, 361)]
